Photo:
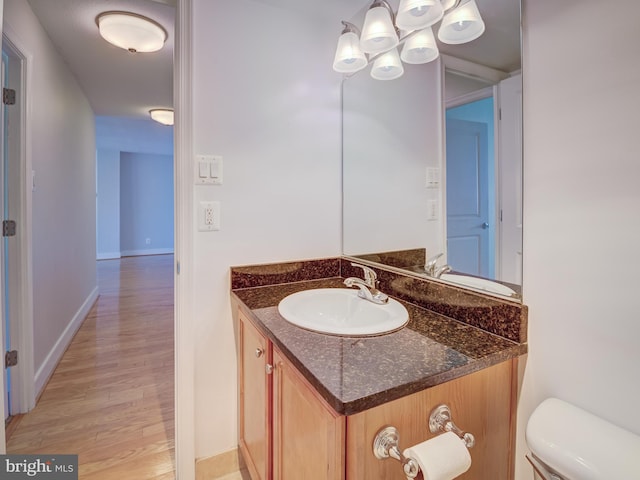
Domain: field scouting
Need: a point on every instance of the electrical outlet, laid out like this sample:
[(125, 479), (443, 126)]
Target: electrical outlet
[(208, 216), (148, 241), (432, 210)]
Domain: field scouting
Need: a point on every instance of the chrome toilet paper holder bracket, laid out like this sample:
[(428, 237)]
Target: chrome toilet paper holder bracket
[(387, 440), (386, 445), (440, 421)]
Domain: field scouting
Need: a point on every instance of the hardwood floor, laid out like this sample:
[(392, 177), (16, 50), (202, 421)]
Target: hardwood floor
[(111, 398)]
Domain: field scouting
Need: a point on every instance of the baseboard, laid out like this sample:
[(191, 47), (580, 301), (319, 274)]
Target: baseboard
[(219, 465), (51, 362), (155, 251), (108, 255)]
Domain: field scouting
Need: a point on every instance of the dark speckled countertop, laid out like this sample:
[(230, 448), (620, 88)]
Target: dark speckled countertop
[(356, 373)]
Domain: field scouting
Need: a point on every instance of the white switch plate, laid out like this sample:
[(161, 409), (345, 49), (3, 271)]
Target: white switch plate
[(208, 216), (208, 170), (433, 177)]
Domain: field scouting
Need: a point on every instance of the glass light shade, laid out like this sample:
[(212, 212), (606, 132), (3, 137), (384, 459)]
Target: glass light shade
[(387, 66), (461, 25), (162, 115), (131, 32), (349, 57), (378, 32), (447, 4), (418, 14), (420, 47)]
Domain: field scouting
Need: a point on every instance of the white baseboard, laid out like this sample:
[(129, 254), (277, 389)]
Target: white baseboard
[(108, 255), (53, 358), (155, 251)]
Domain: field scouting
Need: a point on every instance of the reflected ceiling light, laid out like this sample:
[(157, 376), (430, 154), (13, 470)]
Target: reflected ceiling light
[(349, 57), (387, 66), (420, 47), (378, 32), (132, 32), (461, 25), (418, 14), (162, 115)]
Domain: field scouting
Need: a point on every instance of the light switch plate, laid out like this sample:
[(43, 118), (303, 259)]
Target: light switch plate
[(208, 170), (433, 177)]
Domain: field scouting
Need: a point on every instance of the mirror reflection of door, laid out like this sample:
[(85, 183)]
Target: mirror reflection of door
[(471, 188)]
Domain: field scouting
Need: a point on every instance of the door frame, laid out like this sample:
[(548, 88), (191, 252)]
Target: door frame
[(21, 289)]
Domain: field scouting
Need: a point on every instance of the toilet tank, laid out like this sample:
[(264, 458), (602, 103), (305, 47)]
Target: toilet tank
[(581, 446)]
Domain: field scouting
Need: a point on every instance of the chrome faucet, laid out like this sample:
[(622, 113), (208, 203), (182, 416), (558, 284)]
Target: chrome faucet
[(368, 286), (433, 270)]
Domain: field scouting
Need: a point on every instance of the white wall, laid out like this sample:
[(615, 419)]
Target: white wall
[(146, 204), (62, 150), (108, 203), (116, 136), (267, 100), (582, 197)]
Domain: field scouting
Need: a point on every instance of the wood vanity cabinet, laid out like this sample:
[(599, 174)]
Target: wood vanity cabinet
[(288, 431)]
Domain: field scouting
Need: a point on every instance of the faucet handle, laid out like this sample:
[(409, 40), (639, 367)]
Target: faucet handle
[(370, 276)]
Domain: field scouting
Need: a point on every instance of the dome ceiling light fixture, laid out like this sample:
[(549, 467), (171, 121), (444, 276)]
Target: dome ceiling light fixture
[(162, 115), (132, 32)]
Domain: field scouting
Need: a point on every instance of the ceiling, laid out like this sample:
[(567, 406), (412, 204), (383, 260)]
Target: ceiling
[(119, 83)]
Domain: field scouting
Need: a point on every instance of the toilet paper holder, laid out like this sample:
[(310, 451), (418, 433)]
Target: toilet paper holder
[(387, 440), (440, 421)]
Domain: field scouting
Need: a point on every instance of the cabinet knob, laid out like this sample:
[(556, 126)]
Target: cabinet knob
[(268, 368), (259, 352)]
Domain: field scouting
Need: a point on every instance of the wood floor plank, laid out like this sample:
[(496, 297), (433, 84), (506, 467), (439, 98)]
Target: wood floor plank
[(111, 397)]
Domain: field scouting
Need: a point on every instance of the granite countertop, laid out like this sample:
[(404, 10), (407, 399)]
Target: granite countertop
[(357, 373)]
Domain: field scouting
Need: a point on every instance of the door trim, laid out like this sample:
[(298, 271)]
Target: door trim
[(21, 328), (184, 227)]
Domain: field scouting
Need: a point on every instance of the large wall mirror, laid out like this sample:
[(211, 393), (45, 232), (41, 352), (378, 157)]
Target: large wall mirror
[(432, 161)]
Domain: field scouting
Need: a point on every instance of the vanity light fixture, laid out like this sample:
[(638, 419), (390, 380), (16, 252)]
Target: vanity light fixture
[(418, 14), (461, 23), (162, 115), (387, 66), (420, 47), (131, 31), (349, 56), (378, 32)]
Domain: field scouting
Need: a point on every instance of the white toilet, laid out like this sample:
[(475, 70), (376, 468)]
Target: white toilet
[(568, 443)]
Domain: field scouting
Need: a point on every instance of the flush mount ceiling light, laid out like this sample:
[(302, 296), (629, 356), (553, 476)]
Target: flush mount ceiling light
[(349, 57), (461, 23), (132, 32), (162, 115), (378, 32)]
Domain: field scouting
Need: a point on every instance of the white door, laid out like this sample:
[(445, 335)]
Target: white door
[(468, 248)]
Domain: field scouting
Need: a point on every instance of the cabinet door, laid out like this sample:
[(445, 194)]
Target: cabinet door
[(482, 403), (308, 436), (254, 400)]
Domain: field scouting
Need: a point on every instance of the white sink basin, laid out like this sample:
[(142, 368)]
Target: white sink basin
[(478, 283), (339, 311)]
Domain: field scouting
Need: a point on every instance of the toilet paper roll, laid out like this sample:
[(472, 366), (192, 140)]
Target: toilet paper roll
[(441, 458)]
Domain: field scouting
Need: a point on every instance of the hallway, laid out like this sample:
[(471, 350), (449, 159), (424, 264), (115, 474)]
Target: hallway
[(111, 398)]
